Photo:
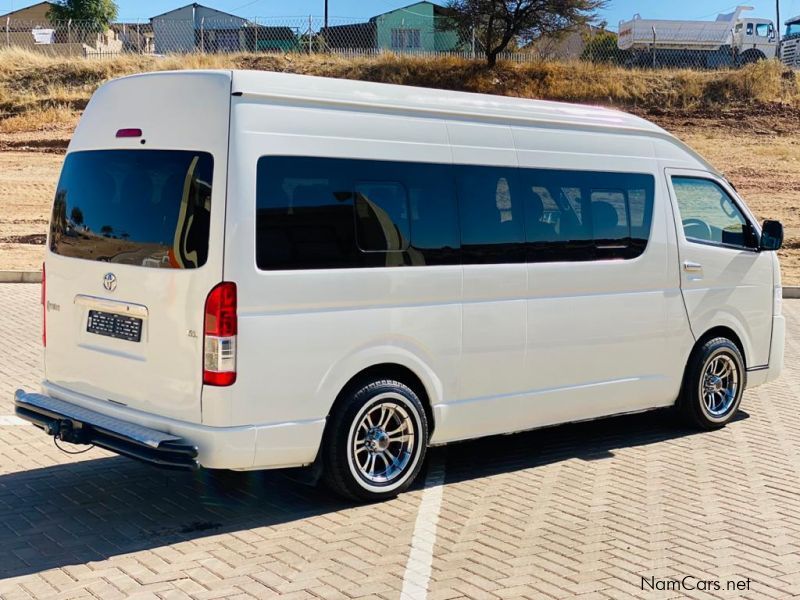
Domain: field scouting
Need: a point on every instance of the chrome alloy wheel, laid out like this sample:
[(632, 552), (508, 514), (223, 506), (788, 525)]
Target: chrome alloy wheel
[(719, 385), (382, 440)]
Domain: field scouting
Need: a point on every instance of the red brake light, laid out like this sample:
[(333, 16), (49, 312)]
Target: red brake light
[(44, 307), (219, 335), (129, 133)]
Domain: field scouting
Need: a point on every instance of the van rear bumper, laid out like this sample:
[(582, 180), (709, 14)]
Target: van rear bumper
[(79, 425), (244, 447)]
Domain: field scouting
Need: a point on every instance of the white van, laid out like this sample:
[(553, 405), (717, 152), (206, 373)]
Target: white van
[(250, 270)]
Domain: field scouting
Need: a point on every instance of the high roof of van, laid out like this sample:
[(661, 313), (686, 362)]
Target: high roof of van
[(445, 103), (384, 98)]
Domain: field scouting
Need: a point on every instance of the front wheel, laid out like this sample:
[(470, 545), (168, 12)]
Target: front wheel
[(375, 442), (713, 386)]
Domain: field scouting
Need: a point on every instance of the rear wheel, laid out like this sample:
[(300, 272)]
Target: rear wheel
[(751, 56), (375, 441), (714, 382)]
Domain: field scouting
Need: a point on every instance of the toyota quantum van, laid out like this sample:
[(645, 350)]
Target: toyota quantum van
[(250, 270)]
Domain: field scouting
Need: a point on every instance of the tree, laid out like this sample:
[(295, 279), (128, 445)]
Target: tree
[(98, 14), (497, 23), (601, 47), (77, 216)]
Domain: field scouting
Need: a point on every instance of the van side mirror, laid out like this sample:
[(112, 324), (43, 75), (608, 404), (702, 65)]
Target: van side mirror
[(771, 236)]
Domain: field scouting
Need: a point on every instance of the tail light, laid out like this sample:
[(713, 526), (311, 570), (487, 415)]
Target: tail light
[(44, 307), (219, 335)]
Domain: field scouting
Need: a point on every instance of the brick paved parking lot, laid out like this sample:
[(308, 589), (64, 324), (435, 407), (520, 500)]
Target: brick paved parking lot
[(580, 511)]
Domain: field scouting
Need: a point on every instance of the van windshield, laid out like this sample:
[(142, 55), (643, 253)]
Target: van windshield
[(149, 208)]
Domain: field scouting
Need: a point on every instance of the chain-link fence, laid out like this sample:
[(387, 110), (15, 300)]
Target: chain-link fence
[(638, 44)]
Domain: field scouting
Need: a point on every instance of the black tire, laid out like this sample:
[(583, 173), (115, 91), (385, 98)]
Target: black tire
[(751, 56), (342, 468), (708, 401)]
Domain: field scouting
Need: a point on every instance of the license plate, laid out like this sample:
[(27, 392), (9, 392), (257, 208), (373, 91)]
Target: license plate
[(115, 326)]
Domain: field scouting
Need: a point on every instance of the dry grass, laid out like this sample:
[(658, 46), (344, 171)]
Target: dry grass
[(34, 87), (40, 119)]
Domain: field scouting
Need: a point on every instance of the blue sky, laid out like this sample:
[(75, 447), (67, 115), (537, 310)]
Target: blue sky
[(362, 9)]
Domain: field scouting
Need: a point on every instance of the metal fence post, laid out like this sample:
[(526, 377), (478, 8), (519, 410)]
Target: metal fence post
[(310, 31), (8, 31), (655, 37), (69, 32), (202, 35), (473, 43), (255, 35)]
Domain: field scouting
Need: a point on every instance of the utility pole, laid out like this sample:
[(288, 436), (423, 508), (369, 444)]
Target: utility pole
[(777, 27)]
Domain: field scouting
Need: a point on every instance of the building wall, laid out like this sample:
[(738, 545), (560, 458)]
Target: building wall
[(409, 29), (180, 31), (31, 16), (174, 32), (415, 28), (448, 40)]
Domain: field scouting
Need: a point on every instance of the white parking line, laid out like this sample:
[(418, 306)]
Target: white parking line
[(420, 559), (7, 420)]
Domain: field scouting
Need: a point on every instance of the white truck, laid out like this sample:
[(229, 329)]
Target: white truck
[(730, 41), (790, 46)]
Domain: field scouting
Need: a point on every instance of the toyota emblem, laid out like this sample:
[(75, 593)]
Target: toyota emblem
[(110, 282)]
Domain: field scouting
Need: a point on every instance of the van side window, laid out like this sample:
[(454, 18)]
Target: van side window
[(435, 235), (581, 215), (491, 214), (709, 214), (304, 216), (382, 217), (326, 213)]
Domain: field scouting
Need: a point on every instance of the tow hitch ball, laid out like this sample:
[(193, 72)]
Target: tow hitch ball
[(67, 431)]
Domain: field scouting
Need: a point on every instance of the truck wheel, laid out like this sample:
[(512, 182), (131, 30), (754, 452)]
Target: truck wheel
[(375, 441), (713, 384), (751, 56)]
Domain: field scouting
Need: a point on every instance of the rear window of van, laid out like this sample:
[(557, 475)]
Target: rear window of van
[(149, 208)]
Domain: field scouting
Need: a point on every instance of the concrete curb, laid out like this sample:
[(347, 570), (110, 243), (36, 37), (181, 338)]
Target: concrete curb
[(20, 276), (36, 277)]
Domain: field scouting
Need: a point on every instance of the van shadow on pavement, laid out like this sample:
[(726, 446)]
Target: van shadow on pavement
[(88, 511)]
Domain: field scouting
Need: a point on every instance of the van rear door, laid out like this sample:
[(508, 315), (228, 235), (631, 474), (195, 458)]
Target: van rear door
[(136, 242)]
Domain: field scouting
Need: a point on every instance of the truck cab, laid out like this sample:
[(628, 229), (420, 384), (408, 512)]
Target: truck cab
[(754, 39), (790, 45)]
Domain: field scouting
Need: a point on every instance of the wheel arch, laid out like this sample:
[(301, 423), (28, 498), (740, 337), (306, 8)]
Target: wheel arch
[(394, 371), (721, 331), (751, 55)]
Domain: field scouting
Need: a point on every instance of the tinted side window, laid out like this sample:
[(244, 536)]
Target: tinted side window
[(491, 215), (581, 215), (709, 214), (382, 217), (419, 200), (323, 213), (304, 217)]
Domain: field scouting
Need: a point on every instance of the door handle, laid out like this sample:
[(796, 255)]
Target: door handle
[(692, 267)]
